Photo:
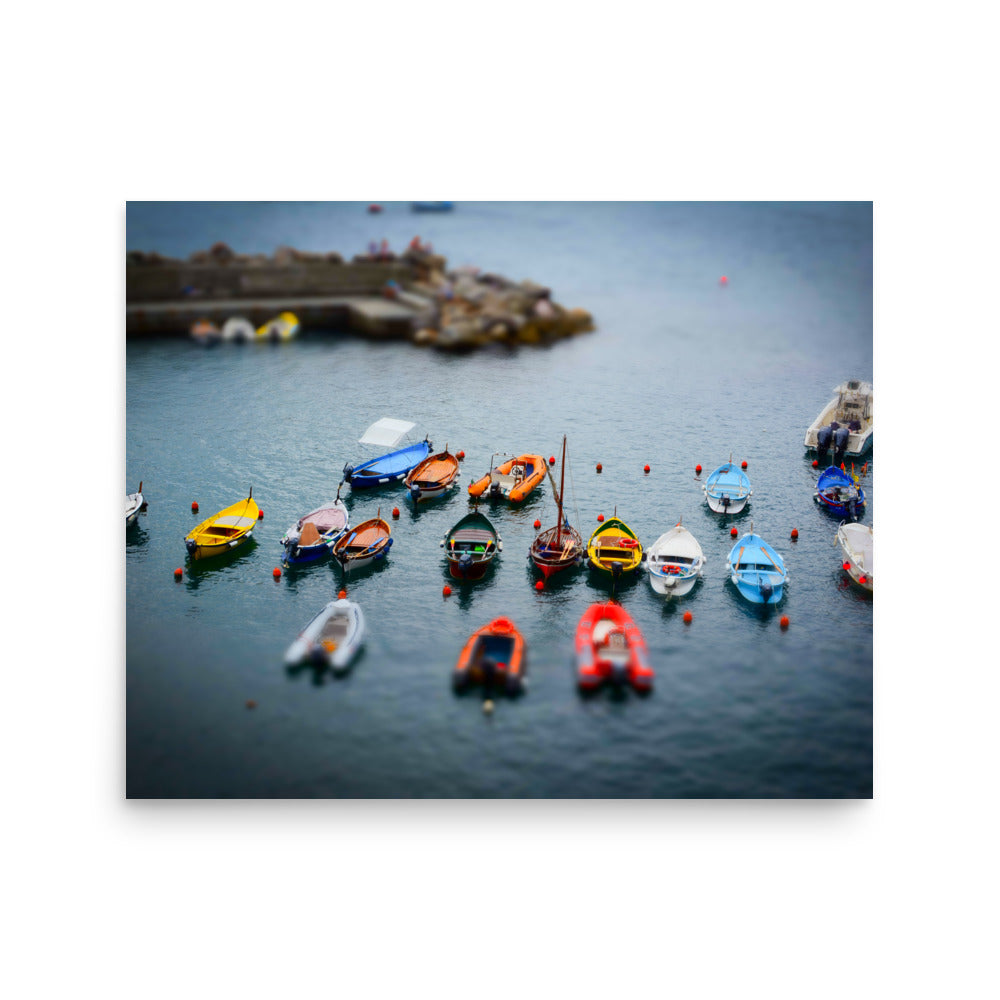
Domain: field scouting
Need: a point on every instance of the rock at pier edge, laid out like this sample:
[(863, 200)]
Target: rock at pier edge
[(411, 296)]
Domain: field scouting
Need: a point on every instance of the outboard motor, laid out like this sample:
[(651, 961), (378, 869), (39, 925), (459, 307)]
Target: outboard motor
[(464, 563), (190, 544), (414, 491), (852, 509), (495, 489), (619, 673), (616, 570), (823, 438), (348, 472), (317, 656), (766, 590), (840, 439), (725, 501)]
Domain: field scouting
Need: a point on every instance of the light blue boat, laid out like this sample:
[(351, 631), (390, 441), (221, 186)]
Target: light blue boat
[(728, 489), (757, 570)]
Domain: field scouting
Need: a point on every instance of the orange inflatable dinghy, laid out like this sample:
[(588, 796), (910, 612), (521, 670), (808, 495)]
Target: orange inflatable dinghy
[(513, 479), (609, 646), (493, 656)]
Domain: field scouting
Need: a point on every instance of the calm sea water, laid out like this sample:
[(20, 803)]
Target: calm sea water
[(680, 371)]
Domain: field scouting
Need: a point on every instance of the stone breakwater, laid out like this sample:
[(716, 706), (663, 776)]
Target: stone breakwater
[(411, 296)]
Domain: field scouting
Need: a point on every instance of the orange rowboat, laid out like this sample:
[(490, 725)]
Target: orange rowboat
[(513, 479), (432, 476), (493, 657), (610, 647)]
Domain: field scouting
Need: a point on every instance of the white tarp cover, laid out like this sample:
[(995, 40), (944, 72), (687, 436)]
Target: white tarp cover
[(386, 432)]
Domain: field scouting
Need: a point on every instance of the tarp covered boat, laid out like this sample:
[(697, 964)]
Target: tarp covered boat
[(674, 562), (727, 489), (238, 330), (512, 480), (314, 534), (857, 542), (840, 493), (224, 531), (610, 647), (471, 546), (392, 466), (614, 548), (369, 542), (492, 656), (757, 570), (333, 637), (432, 476), (282, 327)]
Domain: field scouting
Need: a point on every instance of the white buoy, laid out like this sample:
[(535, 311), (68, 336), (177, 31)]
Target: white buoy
[(488, 707)]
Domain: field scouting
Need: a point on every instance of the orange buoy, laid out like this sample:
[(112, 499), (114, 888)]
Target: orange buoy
[(697, 470), (645, 468), (743, 464), (784, 621), (342, 594), (723, 281), (552, 459), (600, 517), (276, 573), (539, 585), (395, 512), (251, 703), (446, 592), (178, 573), (598, 466), (260, 513), (815, 463), (688, 617), (194, 506), (795, 533), (733, 532), (538, 524), (460, 455)]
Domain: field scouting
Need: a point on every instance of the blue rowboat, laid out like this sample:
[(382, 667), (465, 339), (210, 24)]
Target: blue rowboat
[(757, 570), (840, 493), (392, 466), (728, 489)]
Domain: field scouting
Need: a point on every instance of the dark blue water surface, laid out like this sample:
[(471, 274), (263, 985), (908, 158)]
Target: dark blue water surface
[(680, 371)]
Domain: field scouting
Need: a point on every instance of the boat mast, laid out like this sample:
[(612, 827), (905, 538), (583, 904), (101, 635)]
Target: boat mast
[(562, 479)]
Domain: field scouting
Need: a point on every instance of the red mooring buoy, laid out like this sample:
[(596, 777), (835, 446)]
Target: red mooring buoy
[(395, 512), (795, 533), (697, 470), (688, 617), (341, 595), (276, 573), (815, 463), (538, 524), (552, 459), (178, 573), (599, 466), (847, 567), (723, 281), (784, 621), (600, 517), (733, 532), (260, 514), (194, 506), (743, 465), (539, 585), (446, 592), (645, 468)]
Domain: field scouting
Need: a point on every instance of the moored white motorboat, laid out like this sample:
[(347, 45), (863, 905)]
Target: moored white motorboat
[(333, 637), (239, 330), (845, 424), (858, 545), (134, 502), (675, 562)]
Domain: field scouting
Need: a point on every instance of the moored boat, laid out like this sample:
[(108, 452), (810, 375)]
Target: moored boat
[(392, 466), (857, 542), (493, 656), (432, 476), (513, 479), (134, 503), (845, 424), (471, 546), (315, 533), (840, 493), (205, 332), (757, 570), (727, 489), (674, 562), (369, 542), (614, 548), (431, 206), (284, 326), (224, 531), (332, 638), (560, 547), (238, 330), (610, 647)]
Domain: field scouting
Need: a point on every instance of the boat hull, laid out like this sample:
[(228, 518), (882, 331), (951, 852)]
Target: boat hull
[(432, 477), (727, 490), (333, 638), (223, 532), (857, 544), (389, 468), (674, 562), (757, 570), (506, 482), (365, 545), (554, 551), (471, 546), (614, 549), (852, 404)]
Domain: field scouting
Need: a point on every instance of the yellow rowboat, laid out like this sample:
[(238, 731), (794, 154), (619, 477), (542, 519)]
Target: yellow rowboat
[(614, 548), (224, 531), (282, 327)]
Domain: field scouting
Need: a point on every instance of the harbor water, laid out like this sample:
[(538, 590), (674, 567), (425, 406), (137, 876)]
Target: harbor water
[(682, 370)]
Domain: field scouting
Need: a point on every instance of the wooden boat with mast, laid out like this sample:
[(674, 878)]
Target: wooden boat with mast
[(561, 547)]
